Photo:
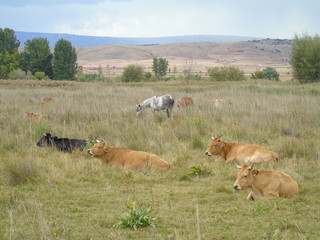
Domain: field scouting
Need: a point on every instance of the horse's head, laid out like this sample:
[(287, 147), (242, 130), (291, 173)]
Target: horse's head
[(139, 109)]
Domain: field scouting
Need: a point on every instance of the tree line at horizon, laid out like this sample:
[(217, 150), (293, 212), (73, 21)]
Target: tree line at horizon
[(37, 62)]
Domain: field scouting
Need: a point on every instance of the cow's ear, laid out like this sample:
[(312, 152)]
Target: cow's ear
[(222, 144), (254, 172)]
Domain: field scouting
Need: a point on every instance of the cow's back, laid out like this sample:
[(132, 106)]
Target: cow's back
[(253, 153)]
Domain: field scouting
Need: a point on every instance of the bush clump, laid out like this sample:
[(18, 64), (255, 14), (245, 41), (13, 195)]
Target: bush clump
[(224, 73), (267, 73), (133, 73)]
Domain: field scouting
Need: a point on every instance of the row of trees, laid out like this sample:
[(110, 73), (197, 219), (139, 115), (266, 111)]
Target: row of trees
[(38, 61), (135, 73), (36, 58)]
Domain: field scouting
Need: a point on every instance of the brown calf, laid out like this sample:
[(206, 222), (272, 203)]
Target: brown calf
[(265, 183)]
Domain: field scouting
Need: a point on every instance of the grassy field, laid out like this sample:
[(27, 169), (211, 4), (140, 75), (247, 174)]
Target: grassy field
[(45, 194)]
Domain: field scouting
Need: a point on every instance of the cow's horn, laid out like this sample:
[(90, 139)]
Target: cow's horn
[(252, 165), (97, 140), (219, 136), (235, 163)]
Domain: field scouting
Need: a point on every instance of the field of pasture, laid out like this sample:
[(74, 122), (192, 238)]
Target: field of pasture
[(46, 194)]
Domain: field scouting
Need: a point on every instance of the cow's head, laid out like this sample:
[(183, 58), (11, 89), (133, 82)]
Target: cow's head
[(245, 177), (98, 149), (215, 147), (139, 109), (44, 140)]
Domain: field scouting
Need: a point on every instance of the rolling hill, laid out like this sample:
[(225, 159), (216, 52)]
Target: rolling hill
[(249, 55), (89, 41)]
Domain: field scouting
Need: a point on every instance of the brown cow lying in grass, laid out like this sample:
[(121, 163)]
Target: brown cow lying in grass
[(32, 115), (242, 152), (265, 183), (185, 101), (125, 157)]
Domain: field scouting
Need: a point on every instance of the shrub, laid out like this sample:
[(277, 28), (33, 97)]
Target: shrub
[(136, 218), (258, 75), (19, 74), (40, 76), (196, 171), (271, 74), (229, 73), (133, 73), (91, 77), (147, 76)]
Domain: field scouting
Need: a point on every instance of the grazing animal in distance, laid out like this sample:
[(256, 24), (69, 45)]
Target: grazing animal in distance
[(218, 102), (165, 102), (62, 144), (32, 115), (125, 157), (242, 152), (185, 101), (265, 183), (47, 100)]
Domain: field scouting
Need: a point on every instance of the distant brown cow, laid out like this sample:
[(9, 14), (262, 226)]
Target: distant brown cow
[(265, 183), (32, 115), (185, 101), (241, 152), (218, 102), (125, 157), (47, 101)]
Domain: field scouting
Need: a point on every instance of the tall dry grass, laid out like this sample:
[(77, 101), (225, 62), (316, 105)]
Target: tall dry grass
[(46, 194)]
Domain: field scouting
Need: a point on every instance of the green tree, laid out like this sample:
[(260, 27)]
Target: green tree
[(305, 58), (37, 57), (64, 61), (133, 73), (8, 41), (9, 55), (160, 67), (8, 63)]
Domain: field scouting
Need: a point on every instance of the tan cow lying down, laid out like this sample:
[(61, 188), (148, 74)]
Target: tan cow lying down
[(125, 157), (265, 183), (32, 115), (241, 152), (185, 101)]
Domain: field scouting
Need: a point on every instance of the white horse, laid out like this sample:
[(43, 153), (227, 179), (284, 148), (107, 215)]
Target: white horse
[(164, 102)]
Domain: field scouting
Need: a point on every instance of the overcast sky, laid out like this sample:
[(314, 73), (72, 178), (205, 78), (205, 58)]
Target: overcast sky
[(156, 18)]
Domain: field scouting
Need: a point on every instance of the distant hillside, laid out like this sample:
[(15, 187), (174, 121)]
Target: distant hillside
[(90, 41), (243, 52)]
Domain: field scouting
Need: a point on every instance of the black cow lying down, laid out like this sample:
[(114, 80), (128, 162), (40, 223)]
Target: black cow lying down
[(62, 144)]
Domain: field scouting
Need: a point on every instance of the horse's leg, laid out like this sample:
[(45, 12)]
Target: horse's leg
[(168, 112)]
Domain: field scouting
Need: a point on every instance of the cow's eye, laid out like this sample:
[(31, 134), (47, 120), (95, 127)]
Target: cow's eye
[(214, 145), (245, 176)]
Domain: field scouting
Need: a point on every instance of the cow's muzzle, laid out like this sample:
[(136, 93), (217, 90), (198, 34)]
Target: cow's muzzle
[(89, 152), (236, 187), (208, 154)]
